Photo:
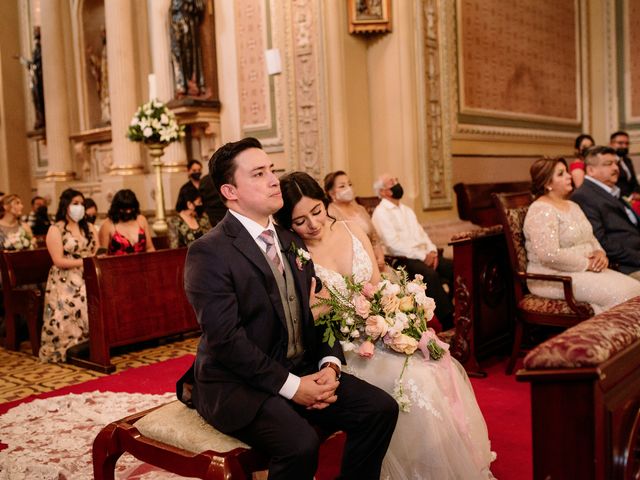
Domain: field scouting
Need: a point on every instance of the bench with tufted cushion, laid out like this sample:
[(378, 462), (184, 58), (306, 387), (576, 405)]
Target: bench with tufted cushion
[(585, 398)]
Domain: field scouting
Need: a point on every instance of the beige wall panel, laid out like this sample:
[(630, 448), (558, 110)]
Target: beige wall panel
[(481, 169), (521, 59), (14, 154), (632, 26)]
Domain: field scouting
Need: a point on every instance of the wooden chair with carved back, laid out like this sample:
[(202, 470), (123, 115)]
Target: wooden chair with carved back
[(531, 309)]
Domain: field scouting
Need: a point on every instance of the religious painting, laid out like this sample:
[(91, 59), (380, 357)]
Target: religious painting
[(369, 16)]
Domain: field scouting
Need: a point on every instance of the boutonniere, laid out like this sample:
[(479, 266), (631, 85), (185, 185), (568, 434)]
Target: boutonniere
[(302, 256)]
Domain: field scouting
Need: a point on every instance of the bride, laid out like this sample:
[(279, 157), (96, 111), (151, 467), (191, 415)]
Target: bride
[(443, 435)]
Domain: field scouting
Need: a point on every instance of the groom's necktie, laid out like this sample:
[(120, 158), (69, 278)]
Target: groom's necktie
[(267, 238)]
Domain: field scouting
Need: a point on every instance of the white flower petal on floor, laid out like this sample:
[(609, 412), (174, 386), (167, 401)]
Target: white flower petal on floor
[(52, 437)]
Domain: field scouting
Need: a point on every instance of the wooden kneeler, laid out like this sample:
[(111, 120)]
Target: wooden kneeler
[(177, 439)]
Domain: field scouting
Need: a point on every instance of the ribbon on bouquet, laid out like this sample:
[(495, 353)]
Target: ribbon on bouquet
[(431, 346)]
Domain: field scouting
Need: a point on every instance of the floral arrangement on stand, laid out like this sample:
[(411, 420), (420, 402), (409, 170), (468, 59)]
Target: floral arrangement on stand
[(19, 240), (393, 313), (154, 122)]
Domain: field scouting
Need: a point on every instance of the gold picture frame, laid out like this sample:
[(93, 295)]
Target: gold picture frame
[(369, 16)]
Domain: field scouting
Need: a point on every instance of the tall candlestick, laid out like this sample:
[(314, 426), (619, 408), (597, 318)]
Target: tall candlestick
[(152, 86)]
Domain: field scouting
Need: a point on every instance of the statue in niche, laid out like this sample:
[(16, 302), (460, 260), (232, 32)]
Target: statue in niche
[(99, 71), (36, 84), (186, 52)]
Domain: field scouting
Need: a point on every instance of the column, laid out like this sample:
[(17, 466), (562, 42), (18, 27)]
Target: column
[(175, 155), (55, 92), (123, 89)]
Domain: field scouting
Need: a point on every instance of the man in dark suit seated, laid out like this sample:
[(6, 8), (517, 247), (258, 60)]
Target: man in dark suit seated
[(262, 372), (627, 181), (614, 223)]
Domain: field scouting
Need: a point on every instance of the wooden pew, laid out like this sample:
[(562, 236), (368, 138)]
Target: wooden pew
[(475, 203), (22, 273), (484, 310), (133, 298), (585, 398)]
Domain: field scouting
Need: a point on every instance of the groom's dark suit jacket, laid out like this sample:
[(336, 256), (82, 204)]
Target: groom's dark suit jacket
[(241, 358), (619, 237)]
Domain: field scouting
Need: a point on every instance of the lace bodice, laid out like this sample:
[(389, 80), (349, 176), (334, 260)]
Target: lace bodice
[(361, 267)]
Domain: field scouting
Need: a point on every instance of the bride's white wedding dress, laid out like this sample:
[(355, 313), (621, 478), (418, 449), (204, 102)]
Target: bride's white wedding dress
[(444, 435)]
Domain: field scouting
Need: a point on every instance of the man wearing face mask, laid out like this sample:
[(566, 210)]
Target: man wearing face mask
[(403, 236), (194, 170), (627, 182)]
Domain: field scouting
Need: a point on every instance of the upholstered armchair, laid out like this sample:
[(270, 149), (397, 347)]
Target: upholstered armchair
[(532, 309)]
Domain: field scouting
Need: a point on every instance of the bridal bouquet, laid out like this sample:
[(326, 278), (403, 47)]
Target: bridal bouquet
[(393, 313), (19, 240), (154, 122)]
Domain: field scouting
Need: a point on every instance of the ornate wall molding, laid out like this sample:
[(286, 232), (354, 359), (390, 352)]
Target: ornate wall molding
[(434, 118), (308, 134)]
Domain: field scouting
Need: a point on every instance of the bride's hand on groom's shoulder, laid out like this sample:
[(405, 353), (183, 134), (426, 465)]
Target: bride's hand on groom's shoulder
[(315, 395)]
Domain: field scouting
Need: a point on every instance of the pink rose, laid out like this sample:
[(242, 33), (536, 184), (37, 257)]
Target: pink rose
[(368, 290), (376, 326), (366, 349), (362, 305)]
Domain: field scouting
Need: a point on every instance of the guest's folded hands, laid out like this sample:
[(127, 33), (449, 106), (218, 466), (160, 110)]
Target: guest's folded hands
[(598, 261)]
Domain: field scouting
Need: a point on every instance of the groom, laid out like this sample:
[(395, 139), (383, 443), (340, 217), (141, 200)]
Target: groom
[(262, 372)]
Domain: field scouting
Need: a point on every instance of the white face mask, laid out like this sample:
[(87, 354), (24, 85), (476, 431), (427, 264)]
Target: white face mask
[(345, 195), (76, 212)]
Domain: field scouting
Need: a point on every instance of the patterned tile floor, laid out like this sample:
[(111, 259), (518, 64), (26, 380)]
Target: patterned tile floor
[(22, 374)]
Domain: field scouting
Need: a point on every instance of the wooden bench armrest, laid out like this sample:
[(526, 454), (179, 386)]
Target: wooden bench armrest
[(567, 284)]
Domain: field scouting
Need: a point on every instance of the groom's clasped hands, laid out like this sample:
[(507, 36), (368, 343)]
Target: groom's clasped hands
[(318, 390)]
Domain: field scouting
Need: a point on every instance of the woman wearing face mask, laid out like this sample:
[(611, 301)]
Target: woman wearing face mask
[(125, 230), (69, 240), (343, 206), (91, 210), (191, 222), (14, 234), (582, 144)]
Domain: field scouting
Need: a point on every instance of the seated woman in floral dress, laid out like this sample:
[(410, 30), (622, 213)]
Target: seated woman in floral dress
[(190, 221), (69, 240), (14, 234), (125, 230), (443, 435)]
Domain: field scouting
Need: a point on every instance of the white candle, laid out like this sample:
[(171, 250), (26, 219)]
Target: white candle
[(152, 86)]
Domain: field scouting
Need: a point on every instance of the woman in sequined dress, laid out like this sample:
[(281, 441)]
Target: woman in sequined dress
[(559, 240)]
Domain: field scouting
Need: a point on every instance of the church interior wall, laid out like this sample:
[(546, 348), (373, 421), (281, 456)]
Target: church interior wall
[(420, 101), (15, 171)]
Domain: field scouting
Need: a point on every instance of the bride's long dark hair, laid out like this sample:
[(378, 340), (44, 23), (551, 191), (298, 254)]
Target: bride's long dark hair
[(294, 186)]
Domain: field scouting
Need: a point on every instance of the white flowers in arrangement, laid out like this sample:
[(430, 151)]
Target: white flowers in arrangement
[(19, 240), (154, 122)]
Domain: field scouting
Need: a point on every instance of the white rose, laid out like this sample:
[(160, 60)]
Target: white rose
[(147, 132), (355, 334), (347, 346)]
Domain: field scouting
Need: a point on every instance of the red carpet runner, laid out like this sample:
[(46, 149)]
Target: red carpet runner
[(503, 401)]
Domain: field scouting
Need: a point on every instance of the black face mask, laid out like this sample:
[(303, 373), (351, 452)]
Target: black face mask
[(622, 152), (199, 210), (90, 218), (195, 176), (42, 212), (583, 152), (397, 191)]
